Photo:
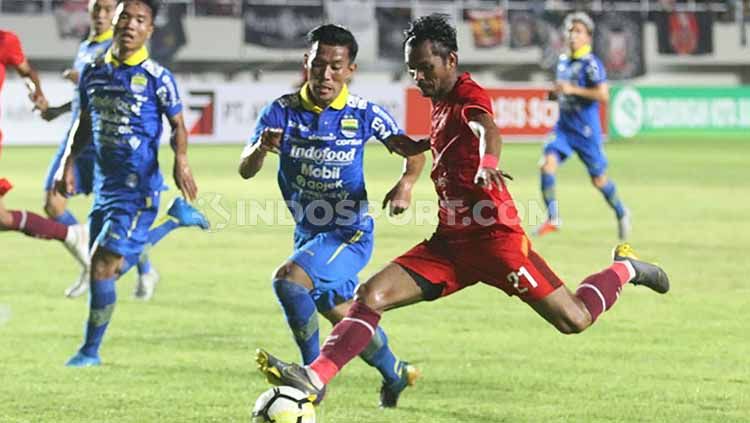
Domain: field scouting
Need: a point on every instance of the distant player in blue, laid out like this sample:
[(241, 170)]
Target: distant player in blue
[(101, 13), (319, 134), (581, 85), (123, 97)]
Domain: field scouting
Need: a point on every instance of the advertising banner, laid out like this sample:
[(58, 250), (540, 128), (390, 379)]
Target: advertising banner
[(214, 112), (655, 110), (522, 112)]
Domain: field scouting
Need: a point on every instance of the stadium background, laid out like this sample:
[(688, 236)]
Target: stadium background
[(679, 121)]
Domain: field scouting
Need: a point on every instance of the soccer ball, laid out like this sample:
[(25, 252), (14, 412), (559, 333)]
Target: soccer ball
[(283, 404)]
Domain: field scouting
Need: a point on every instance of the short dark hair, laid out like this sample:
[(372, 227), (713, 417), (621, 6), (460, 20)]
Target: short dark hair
[(435, 28), (152, 4), (334, 35)]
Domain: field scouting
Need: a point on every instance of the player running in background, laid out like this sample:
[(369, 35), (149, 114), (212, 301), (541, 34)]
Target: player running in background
[(478, 238), (581, 85), (74, 237), (319, 134), (101, 13), (123, 97)]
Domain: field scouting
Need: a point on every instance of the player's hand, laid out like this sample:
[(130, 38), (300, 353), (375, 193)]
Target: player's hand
[(67, 184), (52, 113), (71, 75), (270, 140), (405, 146), (398, 198), (564, 87), (487, 177), (40, 102), (183, 178)]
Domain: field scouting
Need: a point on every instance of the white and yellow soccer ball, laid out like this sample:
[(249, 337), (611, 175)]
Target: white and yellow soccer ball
[(283, 404)]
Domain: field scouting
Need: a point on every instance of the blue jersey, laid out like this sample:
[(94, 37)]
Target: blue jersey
[(126, 102), (320, 168), (88, 51), (578, 115)]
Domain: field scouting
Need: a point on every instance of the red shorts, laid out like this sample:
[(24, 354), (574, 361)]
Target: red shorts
[(503, 260)]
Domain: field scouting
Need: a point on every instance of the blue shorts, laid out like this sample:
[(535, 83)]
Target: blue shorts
[(83, 169), (332, 260), (589, 150), (122, 226)]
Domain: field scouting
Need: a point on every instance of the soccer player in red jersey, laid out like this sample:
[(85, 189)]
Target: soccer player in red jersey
[(31, 224), (478, 238)]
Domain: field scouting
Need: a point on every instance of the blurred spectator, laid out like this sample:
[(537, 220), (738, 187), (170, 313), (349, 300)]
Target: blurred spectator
[(217, 7), (22, 6)]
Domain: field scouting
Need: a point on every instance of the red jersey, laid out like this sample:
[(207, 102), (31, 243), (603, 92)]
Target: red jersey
[(10, 54), (465, 207)]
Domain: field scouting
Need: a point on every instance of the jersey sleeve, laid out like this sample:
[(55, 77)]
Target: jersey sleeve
[(381, 125), (167, 95), (272, 116), (13, 54), (475, 98), (595, 73)]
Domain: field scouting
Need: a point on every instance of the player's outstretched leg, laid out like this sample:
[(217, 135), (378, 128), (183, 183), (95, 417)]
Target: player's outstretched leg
[(279, 372), (600, 291), (301, 316), (548, 182), (646, 274)]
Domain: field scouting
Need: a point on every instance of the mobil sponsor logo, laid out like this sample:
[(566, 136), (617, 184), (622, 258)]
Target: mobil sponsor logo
[(323, 155), (320, 172)]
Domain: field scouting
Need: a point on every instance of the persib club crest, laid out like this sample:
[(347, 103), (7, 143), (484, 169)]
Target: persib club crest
[(138, 83), (349, 127)]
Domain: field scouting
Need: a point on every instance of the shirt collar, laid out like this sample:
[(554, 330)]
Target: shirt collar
[(136, 58), (581, 52), (338, 103), (106, 35)]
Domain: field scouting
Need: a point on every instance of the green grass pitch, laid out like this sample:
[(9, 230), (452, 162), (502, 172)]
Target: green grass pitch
[(187, 356)]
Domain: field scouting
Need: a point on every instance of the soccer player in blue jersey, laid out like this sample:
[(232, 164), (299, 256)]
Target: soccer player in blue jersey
[(100, 40), (581, 85), (319, 134), (123, 97)]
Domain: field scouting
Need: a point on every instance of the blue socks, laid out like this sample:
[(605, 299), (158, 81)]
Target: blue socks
[(101, 305), (301, 316), (609, 192), (157, 233), (66, 218), (377, 354), (144, 264), (548, 194)]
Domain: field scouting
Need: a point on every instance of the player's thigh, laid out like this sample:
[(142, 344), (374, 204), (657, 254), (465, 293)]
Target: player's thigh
[(591, 152), (54, 203), (390, 288), (556, 150), (331, 261), (122, 227), (104, 263), (507, 261)]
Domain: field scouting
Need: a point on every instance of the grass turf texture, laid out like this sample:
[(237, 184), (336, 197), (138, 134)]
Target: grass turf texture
[(188, 354)]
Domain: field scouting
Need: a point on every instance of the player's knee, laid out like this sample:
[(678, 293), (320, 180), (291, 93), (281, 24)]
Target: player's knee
[(370, 296), (572, 324), (104, 264), (290, 271), (6, 220), (599, 181)]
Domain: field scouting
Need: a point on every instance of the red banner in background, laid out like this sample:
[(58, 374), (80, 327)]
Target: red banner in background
[(523, 112)]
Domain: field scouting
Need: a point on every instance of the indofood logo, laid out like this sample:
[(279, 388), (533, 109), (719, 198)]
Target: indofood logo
[(627, 112), (323, 155)]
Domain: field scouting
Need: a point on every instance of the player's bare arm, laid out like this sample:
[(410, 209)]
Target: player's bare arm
[(53, 112), (399, 197), (65, 178), (600, 92), (183, 176), (405, 146), (490, 144), (36, 95), (251, 160), (71, 75)]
